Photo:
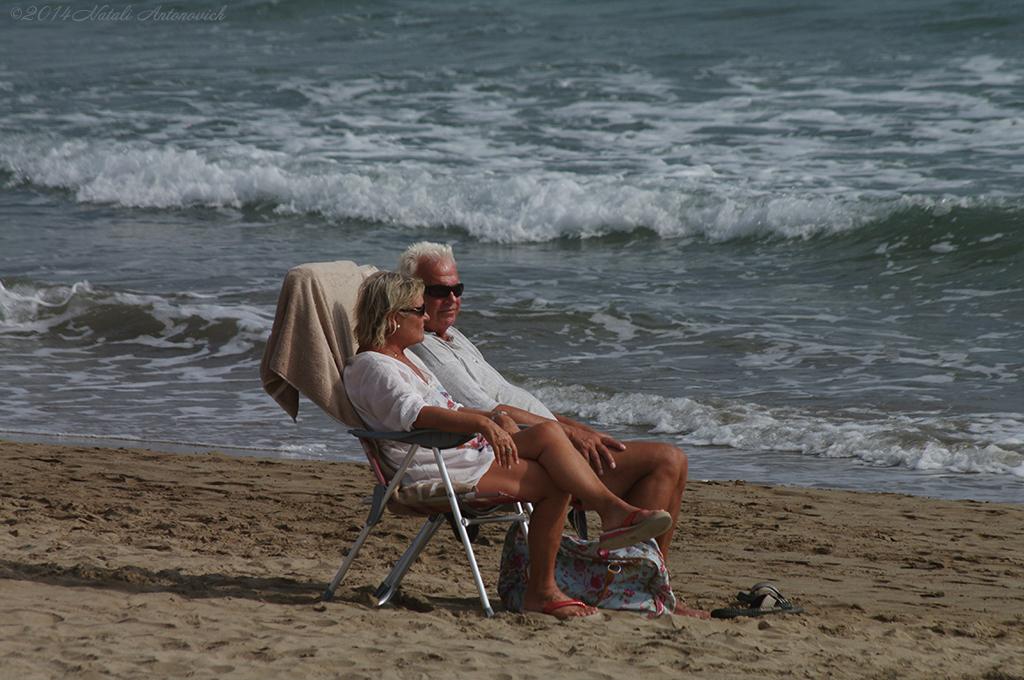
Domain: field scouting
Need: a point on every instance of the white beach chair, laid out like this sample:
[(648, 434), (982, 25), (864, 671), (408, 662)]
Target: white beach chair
[(311, 339)]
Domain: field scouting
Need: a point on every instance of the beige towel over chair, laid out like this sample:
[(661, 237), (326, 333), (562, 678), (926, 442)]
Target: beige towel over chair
[(312, 337)]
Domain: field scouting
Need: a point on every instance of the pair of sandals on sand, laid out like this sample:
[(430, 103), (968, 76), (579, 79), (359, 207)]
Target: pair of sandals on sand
[(763, 598)]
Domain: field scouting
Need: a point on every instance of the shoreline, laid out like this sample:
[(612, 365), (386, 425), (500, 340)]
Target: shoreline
[(857, 477), (127, 562)]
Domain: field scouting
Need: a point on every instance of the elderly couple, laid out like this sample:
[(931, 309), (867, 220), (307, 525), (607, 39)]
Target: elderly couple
[(414, 370)]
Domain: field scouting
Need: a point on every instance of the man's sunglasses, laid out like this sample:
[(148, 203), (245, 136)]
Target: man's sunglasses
[(421, 310), (441, 292)]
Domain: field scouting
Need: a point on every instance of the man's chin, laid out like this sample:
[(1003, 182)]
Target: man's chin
[(441, 324), (448, 318)]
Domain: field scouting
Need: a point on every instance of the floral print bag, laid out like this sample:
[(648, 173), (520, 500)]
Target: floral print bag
[(631, 579)]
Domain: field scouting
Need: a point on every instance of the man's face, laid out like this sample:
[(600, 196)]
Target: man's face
[(442, 311)]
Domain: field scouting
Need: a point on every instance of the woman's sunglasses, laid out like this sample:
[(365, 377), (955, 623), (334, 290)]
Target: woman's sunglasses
[(421, 310), (441, 292)]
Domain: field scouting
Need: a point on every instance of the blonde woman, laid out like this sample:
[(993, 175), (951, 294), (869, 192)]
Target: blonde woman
[(393, 391)]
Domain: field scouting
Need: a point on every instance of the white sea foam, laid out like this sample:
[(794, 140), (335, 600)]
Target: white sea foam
[(534, 206), (515, 160), (917, 443), (30, 309), (25, 308)]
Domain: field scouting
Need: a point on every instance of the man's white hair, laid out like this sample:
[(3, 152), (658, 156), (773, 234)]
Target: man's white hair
[(424, 251)]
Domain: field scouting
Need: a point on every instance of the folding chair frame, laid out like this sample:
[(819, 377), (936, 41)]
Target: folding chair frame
[(461, 505)]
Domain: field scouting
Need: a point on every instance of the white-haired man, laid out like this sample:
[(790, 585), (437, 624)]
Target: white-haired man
[(649, 475)]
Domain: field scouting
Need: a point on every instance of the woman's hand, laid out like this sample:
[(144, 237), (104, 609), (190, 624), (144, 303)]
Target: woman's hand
[(472, 420), (500, 439)]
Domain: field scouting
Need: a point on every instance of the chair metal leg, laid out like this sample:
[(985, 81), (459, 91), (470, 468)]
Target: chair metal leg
[(460, 524), (524, 518), (380, 494), (389, 585)]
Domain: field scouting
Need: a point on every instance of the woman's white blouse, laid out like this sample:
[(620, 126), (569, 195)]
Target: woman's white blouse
[(388, 395)]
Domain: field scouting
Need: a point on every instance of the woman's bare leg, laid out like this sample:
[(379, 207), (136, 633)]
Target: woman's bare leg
[(547, 444), (649, 475), (562, 471), (531, 482)]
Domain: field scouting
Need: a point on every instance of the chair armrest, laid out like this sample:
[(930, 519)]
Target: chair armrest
[(427, 438)]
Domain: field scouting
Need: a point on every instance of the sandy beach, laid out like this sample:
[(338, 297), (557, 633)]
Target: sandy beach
[(129, 564)]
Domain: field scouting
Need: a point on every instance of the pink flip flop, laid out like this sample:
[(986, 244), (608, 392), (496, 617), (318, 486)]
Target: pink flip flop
[(552, 607), (630, 534)]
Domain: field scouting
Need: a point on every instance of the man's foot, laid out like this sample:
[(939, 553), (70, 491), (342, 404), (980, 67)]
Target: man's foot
[(682, 610)]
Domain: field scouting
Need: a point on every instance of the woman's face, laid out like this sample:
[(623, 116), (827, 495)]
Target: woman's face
[(410, 324)]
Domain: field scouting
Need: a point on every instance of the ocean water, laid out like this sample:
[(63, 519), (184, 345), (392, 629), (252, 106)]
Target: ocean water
[(786, 237)]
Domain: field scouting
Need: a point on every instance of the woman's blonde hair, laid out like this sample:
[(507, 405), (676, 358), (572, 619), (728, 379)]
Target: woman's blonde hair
[(380, 296)]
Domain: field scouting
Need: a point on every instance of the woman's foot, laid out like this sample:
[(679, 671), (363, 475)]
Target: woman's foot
[(565, 609), (638, 526), (557, 604)]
